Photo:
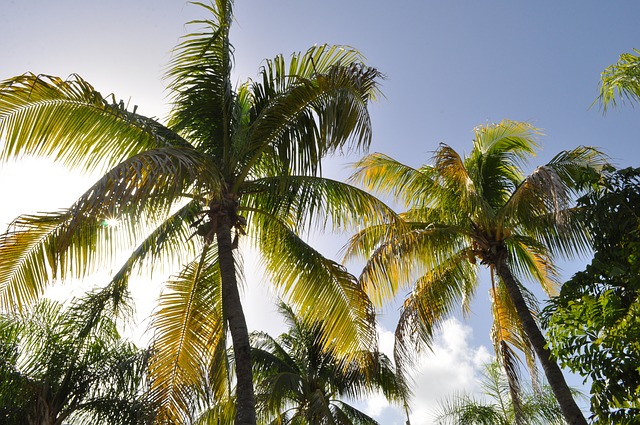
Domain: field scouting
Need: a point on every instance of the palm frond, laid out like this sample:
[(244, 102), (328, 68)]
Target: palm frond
[(73, 123), (346, 414), (620, 81), (317, 287), (462, 409), (316, 202), (189, 329), (170, 245), (531, 259), (300, 119), (199, 77), (41, 248), (507, 329), (433, 298), (403, 257), (382, 174)]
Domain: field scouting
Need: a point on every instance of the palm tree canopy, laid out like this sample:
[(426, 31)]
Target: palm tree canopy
[(66, 363), (231, 161), (466, 211), (301, 381)]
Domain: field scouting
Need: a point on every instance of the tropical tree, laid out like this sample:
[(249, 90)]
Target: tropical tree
[(464, 212), (231, 161), (301, 381), (539, 406), (594, 324), (64, 365)]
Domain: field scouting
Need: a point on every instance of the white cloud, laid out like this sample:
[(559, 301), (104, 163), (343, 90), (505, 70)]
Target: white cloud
[(452, 367)]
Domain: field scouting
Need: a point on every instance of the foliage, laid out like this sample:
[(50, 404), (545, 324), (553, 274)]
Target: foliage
[(620, 80), (300, 381), (594, 324), (59, 365), (539, 405), (464, 212), (231, 161)]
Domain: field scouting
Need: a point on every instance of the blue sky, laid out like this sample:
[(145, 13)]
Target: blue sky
[(450, 65)]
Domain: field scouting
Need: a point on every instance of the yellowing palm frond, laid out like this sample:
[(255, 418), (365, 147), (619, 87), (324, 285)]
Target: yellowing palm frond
[(318, 287), (382, 174), (188, 332), (434, 297), (402, 257)]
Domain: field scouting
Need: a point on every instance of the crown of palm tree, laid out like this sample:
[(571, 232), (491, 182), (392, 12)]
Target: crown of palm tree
[(465, 212)]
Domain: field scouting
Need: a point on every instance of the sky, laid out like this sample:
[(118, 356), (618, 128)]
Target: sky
[(449, 66)]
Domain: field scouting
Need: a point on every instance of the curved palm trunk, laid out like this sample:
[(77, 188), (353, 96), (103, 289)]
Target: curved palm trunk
[(245, 398), (572, 413)]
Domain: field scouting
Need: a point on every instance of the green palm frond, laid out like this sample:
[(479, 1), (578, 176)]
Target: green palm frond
[(170, 245), (317, 287), (398, 262), (347, 414), (513, 141), (316, 202), (620, 81), (463, 409), (538, 407), (300, 119), (188, 330), (76, 366), (382, 174), (46, 116), (200, 84), (580, 167)]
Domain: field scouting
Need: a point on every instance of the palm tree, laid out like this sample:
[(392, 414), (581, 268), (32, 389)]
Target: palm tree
[(471, 211), (61, 365), (539, 406), (300, 381), (230, 161)]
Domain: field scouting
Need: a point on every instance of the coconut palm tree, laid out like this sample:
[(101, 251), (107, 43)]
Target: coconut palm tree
[(300, 381), (539, 405), (464, 212), (60, 365), (230, 161)]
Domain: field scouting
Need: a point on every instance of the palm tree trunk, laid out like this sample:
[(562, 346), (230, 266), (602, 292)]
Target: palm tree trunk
[(572, 413), (245, 398)]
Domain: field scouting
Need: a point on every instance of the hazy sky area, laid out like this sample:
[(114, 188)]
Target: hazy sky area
[(450, 65)]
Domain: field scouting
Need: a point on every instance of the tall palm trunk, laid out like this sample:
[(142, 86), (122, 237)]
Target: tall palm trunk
[(245, 398), (572, 413)]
